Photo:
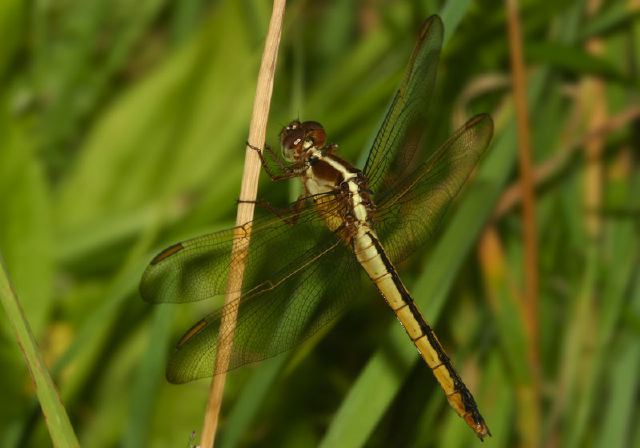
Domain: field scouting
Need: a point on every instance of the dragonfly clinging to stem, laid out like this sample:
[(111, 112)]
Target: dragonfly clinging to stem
[(300, 268)]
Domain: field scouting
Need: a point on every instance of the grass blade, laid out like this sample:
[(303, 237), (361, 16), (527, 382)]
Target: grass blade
[(57, 420)]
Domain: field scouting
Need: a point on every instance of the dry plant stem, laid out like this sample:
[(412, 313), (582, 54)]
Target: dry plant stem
[(248, 192), (531, 306)]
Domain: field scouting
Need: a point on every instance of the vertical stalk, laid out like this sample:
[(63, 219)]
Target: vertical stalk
[(248, 192), (531, 305)]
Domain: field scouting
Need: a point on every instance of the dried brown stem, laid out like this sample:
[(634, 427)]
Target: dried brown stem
[(530, 306), (248, 193)]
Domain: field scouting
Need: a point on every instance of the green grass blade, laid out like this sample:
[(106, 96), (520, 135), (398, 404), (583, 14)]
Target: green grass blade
[(621, 243), (12, 17), (624, 381), (573, 60), (57, 420), (253, 395), (149, 377), (452, 14)]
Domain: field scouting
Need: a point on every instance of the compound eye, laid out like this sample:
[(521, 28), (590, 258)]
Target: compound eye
[(314, 133), (291, 140), (317, 138)]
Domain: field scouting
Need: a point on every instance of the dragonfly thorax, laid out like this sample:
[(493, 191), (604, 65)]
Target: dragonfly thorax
[(322, 172)]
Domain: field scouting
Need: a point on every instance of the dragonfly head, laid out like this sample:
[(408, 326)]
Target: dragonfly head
[(297, 138)]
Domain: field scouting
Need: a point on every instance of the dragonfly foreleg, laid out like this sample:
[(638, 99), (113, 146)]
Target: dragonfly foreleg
[(285, 171), (287, 214)]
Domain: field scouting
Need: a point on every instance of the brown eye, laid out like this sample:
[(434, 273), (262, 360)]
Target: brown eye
[(314, 132), (291, 138)]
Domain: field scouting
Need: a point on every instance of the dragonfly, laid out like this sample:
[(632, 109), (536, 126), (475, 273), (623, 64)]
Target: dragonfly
[(302, 264)]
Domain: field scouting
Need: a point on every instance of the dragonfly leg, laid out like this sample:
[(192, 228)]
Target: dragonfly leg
[(287, 214), (296, 208), (285, 171)]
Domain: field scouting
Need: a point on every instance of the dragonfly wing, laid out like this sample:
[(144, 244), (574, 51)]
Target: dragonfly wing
[(198, 269), (401, 131), (408, 215), (270, 321)]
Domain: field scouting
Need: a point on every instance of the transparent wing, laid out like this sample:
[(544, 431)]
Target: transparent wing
[(409, 214), (198, 269), (271, 321), (403, 126)]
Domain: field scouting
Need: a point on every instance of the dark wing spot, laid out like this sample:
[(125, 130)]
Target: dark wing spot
[(191, 332), (168, 252)]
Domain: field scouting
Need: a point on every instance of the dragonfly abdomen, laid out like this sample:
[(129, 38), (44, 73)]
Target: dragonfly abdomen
[(374, 260)]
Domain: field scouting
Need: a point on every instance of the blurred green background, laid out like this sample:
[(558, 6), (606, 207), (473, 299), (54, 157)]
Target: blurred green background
[(122, 130)]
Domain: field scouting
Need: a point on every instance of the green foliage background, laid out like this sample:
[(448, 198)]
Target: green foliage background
[(122, 129)]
